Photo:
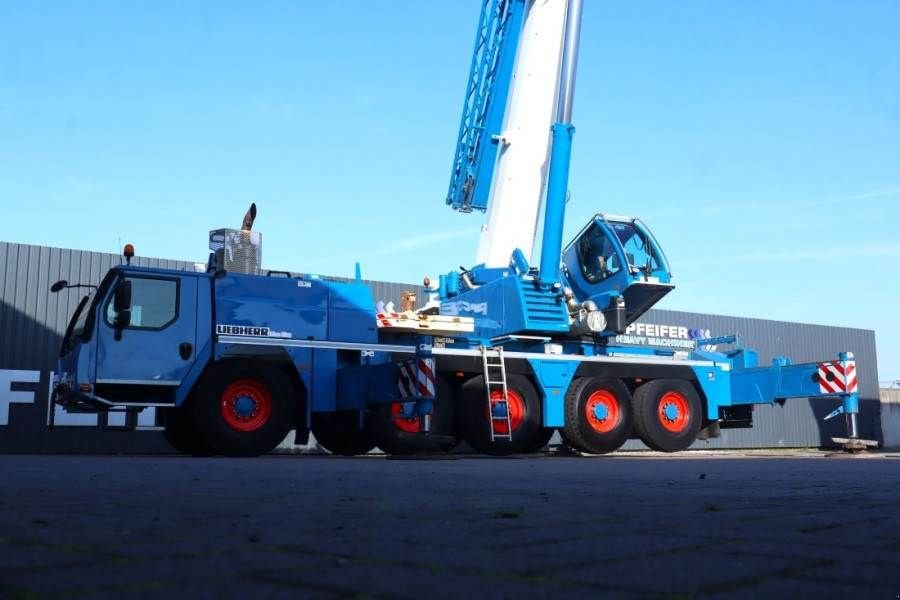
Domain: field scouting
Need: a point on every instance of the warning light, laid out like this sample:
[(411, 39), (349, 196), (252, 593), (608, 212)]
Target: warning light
[(128, 253)]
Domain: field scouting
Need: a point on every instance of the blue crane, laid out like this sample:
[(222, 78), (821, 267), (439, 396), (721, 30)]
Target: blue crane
[(517, 347)]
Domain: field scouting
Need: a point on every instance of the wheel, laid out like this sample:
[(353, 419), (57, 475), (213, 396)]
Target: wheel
[(241, 409), (524, 416), (392, 432), (598, 415), (339, 433), (180, 432), (668, 414)]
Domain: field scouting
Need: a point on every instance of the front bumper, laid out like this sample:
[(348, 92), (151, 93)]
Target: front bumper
[(76, 401)]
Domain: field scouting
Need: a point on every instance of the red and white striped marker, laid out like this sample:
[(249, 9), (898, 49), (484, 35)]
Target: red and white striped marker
[(838, 377), (388, 319), (416, 382)]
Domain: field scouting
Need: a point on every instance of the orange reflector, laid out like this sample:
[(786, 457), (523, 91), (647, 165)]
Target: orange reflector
[(460, 374), (85, 387)]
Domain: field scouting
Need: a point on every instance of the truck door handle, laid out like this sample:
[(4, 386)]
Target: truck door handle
[(185, 349)]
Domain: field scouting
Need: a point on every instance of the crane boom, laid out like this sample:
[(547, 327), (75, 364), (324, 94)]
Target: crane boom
[(501, 163), (496, 40), (520, 175)]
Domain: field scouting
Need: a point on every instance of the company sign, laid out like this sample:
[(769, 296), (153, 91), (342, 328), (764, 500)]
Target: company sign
[(663, 336), (17, 388)]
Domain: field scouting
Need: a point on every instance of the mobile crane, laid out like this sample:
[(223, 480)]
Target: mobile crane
[(507, 353)]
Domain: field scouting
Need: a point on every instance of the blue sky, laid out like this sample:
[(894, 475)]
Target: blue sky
[(760, 141)]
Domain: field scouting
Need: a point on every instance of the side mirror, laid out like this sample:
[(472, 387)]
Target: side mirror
[(59, 286), (122, 299), (123, 319), (122, 305)]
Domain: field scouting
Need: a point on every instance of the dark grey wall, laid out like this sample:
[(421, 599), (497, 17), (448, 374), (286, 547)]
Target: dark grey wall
[(32, 322)]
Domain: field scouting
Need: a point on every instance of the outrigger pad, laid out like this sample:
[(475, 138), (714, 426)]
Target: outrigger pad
[(852, 444)]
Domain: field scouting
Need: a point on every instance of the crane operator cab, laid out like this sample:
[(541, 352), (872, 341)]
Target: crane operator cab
[(616, 265)]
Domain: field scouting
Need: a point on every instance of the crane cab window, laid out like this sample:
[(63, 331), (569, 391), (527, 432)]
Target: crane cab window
[(597, 255), (154, 303), (640, 252)]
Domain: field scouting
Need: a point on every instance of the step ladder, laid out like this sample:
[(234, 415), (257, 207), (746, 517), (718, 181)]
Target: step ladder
[(495, 380)]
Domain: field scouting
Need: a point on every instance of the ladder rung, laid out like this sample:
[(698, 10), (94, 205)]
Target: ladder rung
[(495, 382)]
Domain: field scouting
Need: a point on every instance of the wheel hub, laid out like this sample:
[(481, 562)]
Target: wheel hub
[(514, 404), (674, 412), (671, 412), (404, 417), (244, 407), (601, 412)]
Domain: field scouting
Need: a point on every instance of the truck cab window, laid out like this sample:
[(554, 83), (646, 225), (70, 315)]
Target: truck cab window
[(154, 303), (597, 256)]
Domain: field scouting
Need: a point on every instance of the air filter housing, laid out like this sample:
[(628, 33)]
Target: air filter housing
[(236, 251)]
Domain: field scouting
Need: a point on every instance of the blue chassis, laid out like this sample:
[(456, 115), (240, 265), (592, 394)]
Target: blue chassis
[(725, 379), (337, 321)]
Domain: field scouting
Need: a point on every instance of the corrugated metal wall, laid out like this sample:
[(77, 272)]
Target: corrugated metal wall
[(890, 417), (32, 322)]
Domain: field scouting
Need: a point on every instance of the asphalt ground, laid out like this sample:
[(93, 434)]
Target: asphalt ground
[(692, 525)]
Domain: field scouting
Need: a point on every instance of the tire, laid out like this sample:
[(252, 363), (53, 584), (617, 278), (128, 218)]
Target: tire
[(525, 417), (598, 415), (339, 433), (180, 432), (242, 409), (392, 434), (668, 414)]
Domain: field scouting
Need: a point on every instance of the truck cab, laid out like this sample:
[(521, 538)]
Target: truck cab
[(133, 340)]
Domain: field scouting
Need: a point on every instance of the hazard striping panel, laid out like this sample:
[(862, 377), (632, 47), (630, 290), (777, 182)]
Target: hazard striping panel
[(837, 377), (415, 382)]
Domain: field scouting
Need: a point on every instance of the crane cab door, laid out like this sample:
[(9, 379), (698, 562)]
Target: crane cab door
[(143, 357), (614, 258)]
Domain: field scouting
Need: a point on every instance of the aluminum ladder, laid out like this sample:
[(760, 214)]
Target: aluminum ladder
[(496, 369)]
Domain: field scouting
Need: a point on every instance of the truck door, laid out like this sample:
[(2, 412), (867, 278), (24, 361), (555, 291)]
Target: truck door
[(146, 359)]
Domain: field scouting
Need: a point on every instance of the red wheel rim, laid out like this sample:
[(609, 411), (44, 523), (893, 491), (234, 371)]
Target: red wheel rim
[(674, 412), (405, 424), (246, 405), (602, 411), (516, 411)]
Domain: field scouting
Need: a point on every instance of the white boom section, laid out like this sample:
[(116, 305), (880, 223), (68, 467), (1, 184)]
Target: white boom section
[(517, 189)]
